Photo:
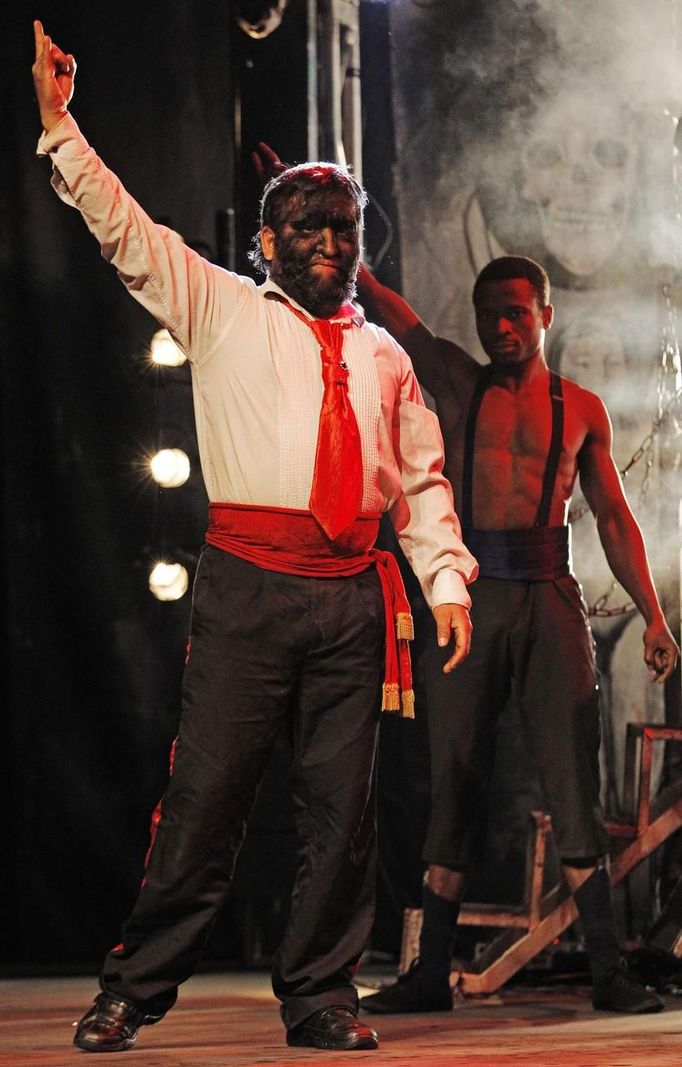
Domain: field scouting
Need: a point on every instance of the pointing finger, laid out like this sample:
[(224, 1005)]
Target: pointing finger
[(39, 37)]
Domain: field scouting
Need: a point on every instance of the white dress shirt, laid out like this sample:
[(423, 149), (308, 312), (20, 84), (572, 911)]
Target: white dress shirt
[(257, 381)]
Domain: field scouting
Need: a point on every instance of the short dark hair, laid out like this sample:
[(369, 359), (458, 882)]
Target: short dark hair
[(301, 179), (504, 268)]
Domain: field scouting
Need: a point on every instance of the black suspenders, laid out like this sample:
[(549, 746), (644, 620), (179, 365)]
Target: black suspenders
[(553, 456)]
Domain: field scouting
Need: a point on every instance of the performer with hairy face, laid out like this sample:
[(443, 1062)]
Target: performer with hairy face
[(299, 206), (310, 424), (516, 437)]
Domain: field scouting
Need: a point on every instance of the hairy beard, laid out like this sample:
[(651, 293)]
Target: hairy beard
[(320, 294)]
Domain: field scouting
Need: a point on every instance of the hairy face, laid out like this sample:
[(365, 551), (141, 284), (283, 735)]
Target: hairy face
[(510, 321), (314, 252)]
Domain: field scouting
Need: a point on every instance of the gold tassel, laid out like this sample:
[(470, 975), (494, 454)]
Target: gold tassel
[(390, 697), (404, 626), (408, 704)]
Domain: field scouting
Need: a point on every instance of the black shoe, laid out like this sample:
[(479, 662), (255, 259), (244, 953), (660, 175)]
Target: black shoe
[(111, 1025), (414, 991), (334, 1028), (619, 991)]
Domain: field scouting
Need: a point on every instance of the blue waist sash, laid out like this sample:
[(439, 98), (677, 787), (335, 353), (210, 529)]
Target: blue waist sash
[(540, 554)]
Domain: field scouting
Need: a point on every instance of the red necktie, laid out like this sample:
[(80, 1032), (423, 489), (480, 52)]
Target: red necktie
[(336, 494)]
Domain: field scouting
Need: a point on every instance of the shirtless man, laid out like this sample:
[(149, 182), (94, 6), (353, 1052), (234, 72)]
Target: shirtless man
[(516, 438)]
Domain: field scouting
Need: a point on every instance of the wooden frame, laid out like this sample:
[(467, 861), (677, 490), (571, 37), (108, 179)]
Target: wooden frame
[(527, 929)]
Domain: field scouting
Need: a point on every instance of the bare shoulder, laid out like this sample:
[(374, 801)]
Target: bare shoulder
[(587, 407)]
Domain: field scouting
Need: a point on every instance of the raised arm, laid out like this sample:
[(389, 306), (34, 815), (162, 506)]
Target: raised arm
[(394, 312), (195, 300), (441, 365), (621, 536)]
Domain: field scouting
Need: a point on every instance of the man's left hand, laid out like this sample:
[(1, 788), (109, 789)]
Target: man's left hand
[(660, 652), (266, 164), (53, 74), (452, 620)]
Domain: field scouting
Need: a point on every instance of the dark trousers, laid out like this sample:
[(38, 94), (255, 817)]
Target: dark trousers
[(266, 645), (532, 639)]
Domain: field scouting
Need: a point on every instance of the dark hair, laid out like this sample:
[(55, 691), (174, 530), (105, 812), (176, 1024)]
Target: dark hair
[(504, 268), (301, 179)]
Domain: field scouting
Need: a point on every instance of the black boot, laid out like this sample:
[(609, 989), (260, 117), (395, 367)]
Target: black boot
[(616, 990), (426, 985), (613, 989)]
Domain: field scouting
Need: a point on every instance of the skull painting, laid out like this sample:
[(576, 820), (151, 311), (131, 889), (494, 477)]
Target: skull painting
[(579, 170)]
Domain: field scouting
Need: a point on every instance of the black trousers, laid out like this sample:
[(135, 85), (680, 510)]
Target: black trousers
[(265, 645), (533, 639)]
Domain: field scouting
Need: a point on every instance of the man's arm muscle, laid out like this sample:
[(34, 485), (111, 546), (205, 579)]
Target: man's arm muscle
[(621, 536), (439, 364)]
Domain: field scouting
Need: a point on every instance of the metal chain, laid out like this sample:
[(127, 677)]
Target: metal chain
[(645, 447), (668, 367), (599, 610)]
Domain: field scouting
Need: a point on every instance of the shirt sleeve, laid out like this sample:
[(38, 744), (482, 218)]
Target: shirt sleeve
[(423, 517), (195, 300)]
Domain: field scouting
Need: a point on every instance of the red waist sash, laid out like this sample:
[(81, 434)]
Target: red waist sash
[(292, 542)]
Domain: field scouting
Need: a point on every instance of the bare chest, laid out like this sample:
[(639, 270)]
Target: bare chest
[(509, 451), (517, 425)]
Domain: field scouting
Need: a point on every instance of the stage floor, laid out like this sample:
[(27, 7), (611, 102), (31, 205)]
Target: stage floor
[(232, 1019)]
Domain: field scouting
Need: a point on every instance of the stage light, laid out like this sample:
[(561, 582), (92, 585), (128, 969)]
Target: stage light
[(170, 467), (259, 18), (164, 351), (168, 581)]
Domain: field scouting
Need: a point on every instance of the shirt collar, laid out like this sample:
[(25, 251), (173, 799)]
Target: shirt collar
[(347, 312)]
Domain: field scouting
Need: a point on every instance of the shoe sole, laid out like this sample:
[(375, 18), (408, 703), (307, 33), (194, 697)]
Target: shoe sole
[(96, 1046), (359, 1045), (649, 1009)]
